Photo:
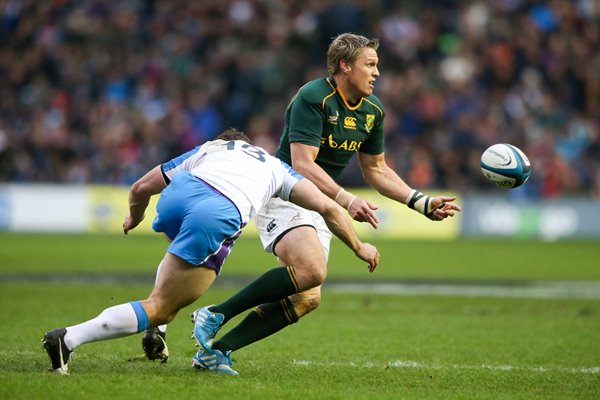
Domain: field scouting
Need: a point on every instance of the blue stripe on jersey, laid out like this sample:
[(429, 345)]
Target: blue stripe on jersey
[(291, 170), (169, 165)]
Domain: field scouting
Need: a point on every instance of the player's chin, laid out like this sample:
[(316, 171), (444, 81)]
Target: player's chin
[(366, 90)]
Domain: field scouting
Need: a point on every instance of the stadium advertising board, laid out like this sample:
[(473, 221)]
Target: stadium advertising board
[(101, 209), (548, 220)]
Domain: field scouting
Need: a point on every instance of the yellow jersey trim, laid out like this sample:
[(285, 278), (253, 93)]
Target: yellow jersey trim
[(346, 102), (337, 89), (329, 95), (374, 105)]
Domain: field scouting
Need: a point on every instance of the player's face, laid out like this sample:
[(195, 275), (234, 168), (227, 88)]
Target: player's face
[(364, 72)]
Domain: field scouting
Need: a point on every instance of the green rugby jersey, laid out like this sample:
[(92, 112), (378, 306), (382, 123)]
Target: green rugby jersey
[(319, 116)]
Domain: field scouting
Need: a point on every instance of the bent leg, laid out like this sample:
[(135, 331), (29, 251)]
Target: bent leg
[(162, 328), (267, 319), (154, 342), (301, 251), (261, 322), (275, 284), (302, 248), (299, 247), (178, 285)]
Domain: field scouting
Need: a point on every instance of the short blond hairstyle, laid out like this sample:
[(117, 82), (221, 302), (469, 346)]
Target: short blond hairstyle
[(347, 46)]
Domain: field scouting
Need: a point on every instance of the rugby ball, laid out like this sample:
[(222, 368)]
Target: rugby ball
[(505, 165)]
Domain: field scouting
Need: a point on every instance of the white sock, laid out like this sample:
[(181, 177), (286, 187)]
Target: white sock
[(114, 322)]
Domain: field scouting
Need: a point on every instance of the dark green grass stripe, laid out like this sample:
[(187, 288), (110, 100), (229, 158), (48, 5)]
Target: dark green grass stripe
[(502, 289)]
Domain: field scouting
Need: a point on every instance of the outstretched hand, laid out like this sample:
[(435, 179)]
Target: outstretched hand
[(443, 208), (370, 254), (362, 211)]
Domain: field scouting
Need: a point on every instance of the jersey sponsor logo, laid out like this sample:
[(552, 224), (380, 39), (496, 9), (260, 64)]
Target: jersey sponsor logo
[(370, 122), (350, 122), (333, 119), (348, 145)]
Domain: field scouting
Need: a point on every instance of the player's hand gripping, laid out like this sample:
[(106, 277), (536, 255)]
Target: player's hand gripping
[(362, 211), (368, 253)]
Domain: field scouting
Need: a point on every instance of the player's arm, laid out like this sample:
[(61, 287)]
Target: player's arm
[(139, 196), (303, 161), (382, 178), (307, 195)]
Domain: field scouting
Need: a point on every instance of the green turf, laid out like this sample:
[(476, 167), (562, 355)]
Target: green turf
[(454, 260), (354, 347)]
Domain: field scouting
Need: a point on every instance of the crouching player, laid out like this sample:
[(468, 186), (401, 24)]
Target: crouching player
[(208, 195)]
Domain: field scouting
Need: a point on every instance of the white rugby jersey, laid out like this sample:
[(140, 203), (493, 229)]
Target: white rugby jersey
[(246, 174)]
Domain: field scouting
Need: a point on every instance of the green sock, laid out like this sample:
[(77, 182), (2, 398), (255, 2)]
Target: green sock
[(275, 284), (263, 321)]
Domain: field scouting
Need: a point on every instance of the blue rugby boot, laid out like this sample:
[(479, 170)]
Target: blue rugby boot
[(214, 361), (206, 326)]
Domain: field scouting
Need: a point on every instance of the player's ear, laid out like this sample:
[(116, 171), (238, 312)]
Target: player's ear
[(345, 66)]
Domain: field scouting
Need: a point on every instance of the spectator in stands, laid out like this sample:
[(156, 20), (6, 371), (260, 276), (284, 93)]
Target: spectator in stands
[(96, 92)]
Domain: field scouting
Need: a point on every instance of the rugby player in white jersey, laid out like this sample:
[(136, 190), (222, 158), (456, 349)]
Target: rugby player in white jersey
[(208, 195)]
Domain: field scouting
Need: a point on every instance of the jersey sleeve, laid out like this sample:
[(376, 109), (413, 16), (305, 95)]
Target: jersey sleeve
[(290, 179), (306, 120), (184, 162)]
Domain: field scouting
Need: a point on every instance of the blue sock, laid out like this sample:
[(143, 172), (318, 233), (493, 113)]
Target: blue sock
[(140, 313)]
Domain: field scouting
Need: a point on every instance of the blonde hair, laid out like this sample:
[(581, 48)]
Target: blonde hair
[(347, 46)]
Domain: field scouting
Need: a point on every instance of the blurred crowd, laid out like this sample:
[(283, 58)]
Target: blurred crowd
[(99, 91)]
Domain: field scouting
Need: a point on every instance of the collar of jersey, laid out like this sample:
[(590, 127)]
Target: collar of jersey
[(334, 85)]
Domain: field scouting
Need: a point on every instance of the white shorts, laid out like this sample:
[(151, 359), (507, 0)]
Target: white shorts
[(278, 217)]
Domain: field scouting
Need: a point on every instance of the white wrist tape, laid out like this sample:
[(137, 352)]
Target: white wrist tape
[(419, 202), (344, 198)]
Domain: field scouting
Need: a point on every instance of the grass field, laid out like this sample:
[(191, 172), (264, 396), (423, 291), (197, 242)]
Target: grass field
[(361, 344)]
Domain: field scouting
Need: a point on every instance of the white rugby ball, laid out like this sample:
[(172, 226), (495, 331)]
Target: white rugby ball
[(505, 165)]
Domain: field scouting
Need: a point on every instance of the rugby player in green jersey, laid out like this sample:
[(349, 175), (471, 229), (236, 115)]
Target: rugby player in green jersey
[(326, 123)]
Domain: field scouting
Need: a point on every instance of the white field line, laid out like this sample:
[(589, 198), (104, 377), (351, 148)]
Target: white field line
[(417, 365), (535, 290)]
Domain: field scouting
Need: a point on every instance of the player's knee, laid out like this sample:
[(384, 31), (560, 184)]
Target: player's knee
[(302, 249), (318, 276), (310, 275)]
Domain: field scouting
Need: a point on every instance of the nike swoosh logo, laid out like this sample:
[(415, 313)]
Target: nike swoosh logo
[(60, 353)]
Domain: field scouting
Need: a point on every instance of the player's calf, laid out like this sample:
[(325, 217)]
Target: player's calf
[(306, 301)]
